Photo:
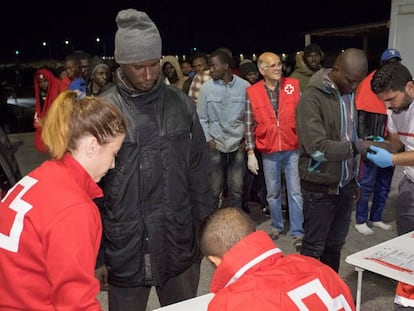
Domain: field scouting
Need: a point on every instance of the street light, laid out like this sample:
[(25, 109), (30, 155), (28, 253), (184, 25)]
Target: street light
[(44, 44), (99, 40), (67, 43)]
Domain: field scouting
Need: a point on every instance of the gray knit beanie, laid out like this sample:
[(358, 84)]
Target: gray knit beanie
[(137, 38)]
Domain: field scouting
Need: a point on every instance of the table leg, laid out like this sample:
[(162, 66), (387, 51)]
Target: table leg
[(359, 288)]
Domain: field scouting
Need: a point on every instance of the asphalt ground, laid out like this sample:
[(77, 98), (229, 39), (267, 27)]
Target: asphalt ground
[(377, 291)]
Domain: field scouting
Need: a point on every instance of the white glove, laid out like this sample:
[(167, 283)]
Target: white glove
[(252, 163)]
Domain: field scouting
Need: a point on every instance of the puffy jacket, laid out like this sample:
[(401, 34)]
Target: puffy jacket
[(320, 128), (158, 193)]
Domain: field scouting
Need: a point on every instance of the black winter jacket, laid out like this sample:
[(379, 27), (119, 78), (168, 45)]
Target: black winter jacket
[(9, 169), (158, 193)]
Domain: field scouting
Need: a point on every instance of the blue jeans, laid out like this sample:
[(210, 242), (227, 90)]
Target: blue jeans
[(231, 166), (374, 181), (273, 164), (326, 223)]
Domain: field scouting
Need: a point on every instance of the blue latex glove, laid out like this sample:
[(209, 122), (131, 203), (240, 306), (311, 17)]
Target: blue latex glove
[(379, 156)]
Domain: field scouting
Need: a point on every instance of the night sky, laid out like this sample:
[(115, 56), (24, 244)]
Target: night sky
[(262, 25)]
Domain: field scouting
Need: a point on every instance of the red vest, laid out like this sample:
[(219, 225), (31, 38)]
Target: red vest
[(275, 133), (366, 100)]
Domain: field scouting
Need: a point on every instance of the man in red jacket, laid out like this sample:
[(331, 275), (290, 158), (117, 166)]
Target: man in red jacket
[(271, 130), (253, 273)]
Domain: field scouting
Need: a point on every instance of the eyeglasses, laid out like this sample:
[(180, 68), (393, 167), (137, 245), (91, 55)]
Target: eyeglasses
[(272, 66)]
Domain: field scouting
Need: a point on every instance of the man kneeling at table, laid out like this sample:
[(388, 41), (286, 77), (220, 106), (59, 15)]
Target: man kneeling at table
[(253, 273)]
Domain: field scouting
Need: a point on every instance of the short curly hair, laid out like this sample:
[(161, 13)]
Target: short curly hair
[(223, 229), (390, 76)]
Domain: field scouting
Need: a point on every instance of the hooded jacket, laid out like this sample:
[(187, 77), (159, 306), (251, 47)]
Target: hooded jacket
[(320, 128), (302, 72), (181, 77), (255, 275), (95, 64), (55, 87), (158, 193)]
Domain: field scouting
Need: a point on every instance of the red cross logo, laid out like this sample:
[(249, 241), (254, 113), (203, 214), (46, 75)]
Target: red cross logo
[(7, 214), (289, 89), (12, 212)]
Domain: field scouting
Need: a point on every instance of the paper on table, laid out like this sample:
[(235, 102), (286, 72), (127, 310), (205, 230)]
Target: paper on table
[(395, 258)]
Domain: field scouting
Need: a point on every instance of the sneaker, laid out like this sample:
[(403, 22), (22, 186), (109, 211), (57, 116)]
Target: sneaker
[(364, 229), (383, 226), (274, 234), (266, 211), (297, 243)]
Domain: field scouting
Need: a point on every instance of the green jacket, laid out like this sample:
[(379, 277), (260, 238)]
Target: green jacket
[(302, 72), (320, 128)]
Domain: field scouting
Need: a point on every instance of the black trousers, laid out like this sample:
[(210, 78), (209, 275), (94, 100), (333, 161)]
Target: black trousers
[(181, 287)]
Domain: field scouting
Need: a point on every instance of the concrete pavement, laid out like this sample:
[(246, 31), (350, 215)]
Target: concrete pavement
[(377, 292)]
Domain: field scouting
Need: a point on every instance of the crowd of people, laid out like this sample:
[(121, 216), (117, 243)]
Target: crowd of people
[(153, 164)]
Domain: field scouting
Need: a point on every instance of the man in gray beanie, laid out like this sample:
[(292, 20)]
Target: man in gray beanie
[(137, 38), (157, 197)]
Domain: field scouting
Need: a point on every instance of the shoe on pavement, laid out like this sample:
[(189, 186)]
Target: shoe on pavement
[(297, 243), (383, 226), (274, 234), (364, 229), (266, 211)]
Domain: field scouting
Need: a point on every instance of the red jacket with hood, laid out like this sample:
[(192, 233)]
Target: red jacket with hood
[(54, 88)]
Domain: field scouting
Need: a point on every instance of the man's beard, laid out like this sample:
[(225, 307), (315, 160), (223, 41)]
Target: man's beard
[(405, 104)]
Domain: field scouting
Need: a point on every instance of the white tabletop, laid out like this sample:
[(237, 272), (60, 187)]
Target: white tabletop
[(393, 258)]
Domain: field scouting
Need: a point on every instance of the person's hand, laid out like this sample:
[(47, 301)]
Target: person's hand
[(356, 195), (36, 121), (252, 163), (379, 156), (101, 274), (212, 144)]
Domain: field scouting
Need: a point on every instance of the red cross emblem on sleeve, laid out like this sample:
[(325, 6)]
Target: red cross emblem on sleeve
[(12, 212)]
